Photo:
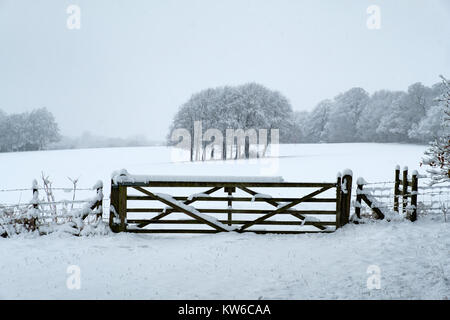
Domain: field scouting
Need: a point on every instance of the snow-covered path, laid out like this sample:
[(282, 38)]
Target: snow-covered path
[(414, 260)]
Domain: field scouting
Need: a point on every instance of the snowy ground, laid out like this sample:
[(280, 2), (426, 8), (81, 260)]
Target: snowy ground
[(413, 259)]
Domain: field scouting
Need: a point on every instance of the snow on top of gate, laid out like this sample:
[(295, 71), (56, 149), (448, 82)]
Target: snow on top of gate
[(123, 176)]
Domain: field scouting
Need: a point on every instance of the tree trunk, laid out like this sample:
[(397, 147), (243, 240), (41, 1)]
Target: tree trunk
[(224, 149), (247, 148), (203, 150), (192, 145)]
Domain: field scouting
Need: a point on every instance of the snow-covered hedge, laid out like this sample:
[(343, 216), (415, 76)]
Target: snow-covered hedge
[(41, 218)]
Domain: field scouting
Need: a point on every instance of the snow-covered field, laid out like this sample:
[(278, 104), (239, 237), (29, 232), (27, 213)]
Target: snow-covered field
[(303, 162), (413, 259)]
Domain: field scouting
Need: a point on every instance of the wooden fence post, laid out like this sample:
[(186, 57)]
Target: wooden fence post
[(396, 188), (338, 200), (99, 203), (32, 223), (35, 194), (405, 189), (359, 190), (414, 190)]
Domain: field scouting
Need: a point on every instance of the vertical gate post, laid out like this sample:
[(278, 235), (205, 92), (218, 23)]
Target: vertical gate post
[(346, 194), (123, 207), (338, 200), (414, 189), (347, 180), (405, 189), (396, 188)]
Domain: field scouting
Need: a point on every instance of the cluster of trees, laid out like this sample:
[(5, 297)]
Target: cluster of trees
[(414, 116), (28, 131), (245, 107)]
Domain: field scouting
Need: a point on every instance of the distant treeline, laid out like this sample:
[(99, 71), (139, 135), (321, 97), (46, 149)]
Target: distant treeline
[(88, 140), (414, 116), (38, 130), (27, 131)]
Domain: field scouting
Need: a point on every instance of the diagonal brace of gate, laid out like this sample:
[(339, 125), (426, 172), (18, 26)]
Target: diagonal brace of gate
[(285, 207), (174, 206), (169, 211), (276, 204)]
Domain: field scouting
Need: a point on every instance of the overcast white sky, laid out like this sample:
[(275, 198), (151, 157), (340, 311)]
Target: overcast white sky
[(133, 63)]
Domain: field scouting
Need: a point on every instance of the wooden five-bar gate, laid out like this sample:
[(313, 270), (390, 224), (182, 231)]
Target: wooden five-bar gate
[(138, 189)]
